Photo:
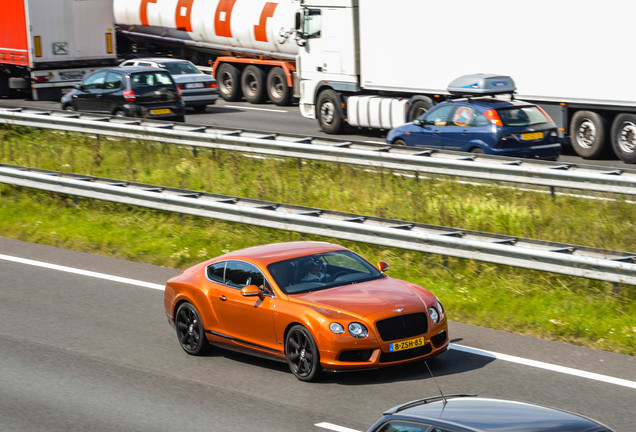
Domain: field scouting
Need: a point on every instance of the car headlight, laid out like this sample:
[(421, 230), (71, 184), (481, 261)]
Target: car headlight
[(358, 330), (433, 314), (440, 308), (336, 328)]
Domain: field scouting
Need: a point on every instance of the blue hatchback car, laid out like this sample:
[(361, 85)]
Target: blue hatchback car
[(483, 124)]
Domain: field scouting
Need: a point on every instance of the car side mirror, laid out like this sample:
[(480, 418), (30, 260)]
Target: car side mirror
[(79, 86), (383, 266), (417, 122), (251, 291)]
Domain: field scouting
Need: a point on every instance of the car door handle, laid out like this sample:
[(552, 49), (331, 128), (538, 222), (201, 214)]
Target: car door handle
[(436, 132), (222, 297), (465, 132)]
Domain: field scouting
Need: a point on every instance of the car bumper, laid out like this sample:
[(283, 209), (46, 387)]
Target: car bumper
[(373, 356), (199, 98), (543, 152), (159, 112)]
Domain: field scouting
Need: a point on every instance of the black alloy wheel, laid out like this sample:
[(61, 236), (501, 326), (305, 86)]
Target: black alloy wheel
[(190, 330), (302, 354)]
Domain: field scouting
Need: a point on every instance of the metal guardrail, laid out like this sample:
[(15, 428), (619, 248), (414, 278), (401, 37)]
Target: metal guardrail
[(526, 171), (606, 265)]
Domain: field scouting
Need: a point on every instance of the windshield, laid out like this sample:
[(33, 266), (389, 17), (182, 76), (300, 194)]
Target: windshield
[(322, 271), (180, 68), (522, 116)]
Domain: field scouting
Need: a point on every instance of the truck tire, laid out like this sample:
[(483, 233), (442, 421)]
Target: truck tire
[(253, 84), (277, 89), (228, 78), (418, 105), (588, 133), (328, 112), (624, 137)]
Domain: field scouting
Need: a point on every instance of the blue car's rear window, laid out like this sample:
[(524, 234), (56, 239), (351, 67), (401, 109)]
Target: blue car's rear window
[(522, 116)]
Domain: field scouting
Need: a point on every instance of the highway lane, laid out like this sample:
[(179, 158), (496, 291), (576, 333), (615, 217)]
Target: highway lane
[(81, 353), (272, 118)]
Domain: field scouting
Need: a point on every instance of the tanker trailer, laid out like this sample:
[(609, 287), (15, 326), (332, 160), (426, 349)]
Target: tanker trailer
[(254, 41)]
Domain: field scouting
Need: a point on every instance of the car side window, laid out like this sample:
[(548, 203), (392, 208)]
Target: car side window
[(439, 116), (239, 274), (216, 272), (113, 81), (480, 120), (463, 116), (95, 81), (403, 426)]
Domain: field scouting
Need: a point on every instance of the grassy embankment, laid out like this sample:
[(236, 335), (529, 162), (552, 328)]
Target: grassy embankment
[(575, 310)]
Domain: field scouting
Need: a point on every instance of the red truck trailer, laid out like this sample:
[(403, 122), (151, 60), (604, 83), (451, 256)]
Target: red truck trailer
[(47, 46)]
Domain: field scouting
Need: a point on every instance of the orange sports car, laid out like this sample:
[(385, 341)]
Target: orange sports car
[(316, 305)]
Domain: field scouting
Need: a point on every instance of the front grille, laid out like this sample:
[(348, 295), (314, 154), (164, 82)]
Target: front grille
[(406, 354), (402, 327), (355, 356)]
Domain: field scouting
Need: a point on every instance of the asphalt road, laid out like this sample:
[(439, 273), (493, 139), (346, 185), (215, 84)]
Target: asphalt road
[(271, 118), (81, 353)]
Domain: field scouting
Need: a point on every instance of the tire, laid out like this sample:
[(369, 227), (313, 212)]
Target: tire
[(190, 331), (328, 112), (418, 106), (624, 137), (302, 354), (253, 84), (68, 107), (200, 108), (277, 89), (588, 132), (477, 150), (119, 113), (399, 143), (228, 79)]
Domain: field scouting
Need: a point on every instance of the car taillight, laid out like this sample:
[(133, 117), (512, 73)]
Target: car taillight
[(179, 95), (180, 88), (40, 79), (544, 113), (129, 95), (493, 117), (210, 85)]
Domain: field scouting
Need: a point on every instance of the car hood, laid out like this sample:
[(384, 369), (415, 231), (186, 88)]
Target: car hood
[(370, 298)]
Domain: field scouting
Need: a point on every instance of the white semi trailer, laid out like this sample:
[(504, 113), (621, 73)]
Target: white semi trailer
[(378, 64)]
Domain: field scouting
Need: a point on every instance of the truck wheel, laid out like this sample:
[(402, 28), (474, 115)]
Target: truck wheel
[(328, 112), (624, 137), (277, 89), (418, 106), (228, 78), (253, 84), (588, 134)]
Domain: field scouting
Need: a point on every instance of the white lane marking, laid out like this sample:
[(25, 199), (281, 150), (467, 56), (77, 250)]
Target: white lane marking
[(546, 366), (83, 272), (476, 351), (254, 108), (334, 427)]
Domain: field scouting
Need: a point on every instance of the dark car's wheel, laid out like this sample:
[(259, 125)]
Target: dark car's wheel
[(328, 112), (302, 354), (120, 113), (253, 84), (68, 107), (624, 137), (588, 134), (228, 78), (190, 330), (277, 89)]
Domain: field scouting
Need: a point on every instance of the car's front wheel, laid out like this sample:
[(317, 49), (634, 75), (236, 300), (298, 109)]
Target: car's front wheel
[(302, 354), (68, 107), (190, 330)]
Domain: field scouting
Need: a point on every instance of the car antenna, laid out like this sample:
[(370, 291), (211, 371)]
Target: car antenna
[(438, 387)]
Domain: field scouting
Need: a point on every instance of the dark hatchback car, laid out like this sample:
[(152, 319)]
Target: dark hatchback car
[(462, 413), (483, 124), (148, 93)]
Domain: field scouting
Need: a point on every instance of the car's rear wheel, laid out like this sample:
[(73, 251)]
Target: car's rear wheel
[(624, 137), (228, 79), (477, 150), (277, 89), (120, 113), (253, 84), (302, 354), (190, 330), (588, 134), (68, 107)]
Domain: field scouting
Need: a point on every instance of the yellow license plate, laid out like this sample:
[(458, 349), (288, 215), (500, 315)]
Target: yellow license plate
[(407, 344), (531, 136), (160, 111)]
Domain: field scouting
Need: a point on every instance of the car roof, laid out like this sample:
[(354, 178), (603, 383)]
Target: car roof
[(493, 415), (275, 252), (134, 69), (489, 102), (159, 59)]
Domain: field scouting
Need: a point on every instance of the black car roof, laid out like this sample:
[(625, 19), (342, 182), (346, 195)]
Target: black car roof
[(493, 415)]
